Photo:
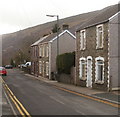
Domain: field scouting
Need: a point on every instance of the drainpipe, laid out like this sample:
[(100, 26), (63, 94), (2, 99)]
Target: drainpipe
[(49, 43)]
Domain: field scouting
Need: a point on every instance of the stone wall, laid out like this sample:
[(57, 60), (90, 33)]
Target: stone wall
[(93, 52), (67, 78)]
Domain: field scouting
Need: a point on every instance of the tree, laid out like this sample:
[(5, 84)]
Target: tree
[(55, 28), (21, 57), (12, 62)]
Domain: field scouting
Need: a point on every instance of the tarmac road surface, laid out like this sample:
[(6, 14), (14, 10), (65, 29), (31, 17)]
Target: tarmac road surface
[(40, 98)]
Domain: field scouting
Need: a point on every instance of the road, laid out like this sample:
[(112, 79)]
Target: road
[(40, 98)]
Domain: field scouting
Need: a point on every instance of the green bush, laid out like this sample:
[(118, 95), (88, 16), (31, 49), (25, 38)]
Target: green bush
[(64, 62)]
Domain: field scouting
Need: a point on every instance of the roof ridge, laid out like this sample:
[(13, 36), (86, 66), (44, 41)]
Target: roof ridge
[(102, 11)]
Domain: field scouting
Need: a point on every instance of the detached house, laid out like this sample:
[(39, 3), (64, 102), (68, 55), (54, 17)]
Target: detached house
[(44, 52), (97, 51)]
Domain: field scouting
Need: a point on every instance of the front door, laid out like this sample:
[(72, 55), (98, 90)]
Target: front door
[(89, 72)]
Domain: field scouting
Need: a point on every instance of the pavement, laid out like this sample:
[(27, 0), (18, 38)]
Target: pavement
[(5, 105), (7, 108), (113, 97)]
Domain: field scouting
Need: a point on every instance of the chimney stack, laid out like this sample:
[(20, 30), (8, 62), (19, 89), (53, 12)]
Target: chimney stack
[(65, 27)]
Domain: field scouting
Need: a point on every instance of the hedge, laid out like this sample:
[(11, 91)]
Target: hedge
[(64, 62)]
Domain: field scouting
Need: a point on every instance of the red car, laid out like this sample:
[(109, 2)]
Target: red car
[(3, 71)]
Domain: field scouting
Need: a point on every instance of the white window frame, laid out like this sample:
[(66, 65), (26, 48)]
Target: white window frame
[(47, 51), (40, 67), (91, 59), (97, 60), (43, 51), (35, 51), (82, 40), (47, 68), (40, 51), (98, 46), (80, 68)]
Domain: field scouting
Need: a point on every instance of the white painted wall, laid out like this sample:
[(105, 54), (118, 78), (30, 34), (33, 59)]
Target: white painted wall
[(66, 44), (114, 55)]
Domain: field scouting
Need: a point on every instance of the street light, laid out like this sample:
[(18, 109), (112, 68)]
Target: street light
[(57, 31)]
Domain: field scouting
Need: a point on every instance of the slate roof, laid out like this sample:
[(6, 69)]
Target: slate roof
[(37, 42), (51, 37), (102, 17)]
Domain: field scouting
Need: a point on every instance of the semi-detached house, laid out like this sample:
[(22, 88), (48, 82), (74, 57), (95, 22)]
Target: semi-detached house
[(44, 52), (97, 55)]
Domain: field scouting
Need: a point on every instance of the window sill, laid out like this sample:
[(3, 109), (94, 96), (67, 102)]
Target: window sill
[(82, 49), (99, 48), (83, 79), (99, 82)]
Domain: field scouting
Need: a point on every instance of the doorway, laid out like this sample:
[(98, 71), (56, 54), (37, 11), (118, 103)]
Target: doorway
[(89, 72)]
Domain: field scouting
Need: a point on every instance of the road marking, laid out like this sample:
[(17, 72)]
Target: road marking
[(17, 103), (81, 113), (9, 103), (92, 98), (56, 100)]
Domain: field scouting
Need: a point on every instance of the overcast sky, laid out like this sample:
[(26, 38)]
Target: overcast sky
[(20, 14)]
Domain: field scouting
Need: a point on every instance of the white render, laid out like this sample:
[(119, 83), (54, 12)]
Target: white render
[(89, 71), (66, 45), (114, 53)]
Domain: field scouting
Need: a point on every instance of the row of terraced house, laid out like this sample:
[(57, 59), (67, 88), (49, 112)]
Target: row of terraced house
[(96, 46)]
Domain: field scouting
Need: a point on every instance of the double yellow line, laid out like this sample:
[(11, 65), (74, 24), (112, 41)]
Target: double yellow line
[(17, 103)]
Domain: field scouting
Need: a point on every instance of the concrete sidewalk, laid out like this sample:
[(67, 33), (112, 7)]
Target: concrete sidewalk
[(6, 105), (113, 97)]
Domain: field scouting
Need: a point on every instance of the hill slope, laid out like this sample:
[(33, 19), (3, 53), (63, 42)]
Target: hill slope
[(15, 42)]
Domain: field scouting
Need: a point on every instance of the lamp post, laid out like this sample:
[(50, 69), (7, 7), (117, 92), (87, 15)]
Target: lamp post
[(57, 31)]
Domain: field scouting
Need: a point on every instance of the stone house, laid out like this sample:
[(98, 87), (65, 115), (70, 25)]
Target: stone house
[(34, 57), (94, 62), (44, 63)]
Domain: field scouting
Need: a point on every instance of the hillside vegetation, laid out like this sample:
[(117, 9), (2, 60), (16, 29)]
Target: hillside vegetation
[(19, 42)]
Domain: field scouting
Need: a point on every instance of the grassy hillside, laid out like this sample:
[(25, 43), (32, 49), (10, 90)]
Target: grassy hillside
[(14, 43)]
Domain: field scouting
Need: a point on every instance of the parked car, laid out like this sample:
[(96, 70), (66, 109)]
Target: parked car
[(8, 66), (3, 71), (27, 64), (21, 65)]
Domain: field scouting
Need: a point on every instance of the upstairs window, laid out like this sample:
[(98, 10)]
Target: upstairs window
[(99, 34), (43, 50), (35, 51), (47, 51), (40, 51), (82, 39)]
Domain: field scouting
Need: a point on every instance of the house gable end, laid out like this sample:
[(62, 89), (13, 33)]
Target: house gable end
[(66, 31)]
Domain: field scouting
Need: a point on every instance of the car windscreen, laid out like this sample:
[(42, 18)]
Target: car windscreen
[(1, 68)]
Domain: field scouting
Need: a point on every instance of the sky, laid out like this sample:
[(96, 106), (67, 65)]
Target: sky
[(16, 15)]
